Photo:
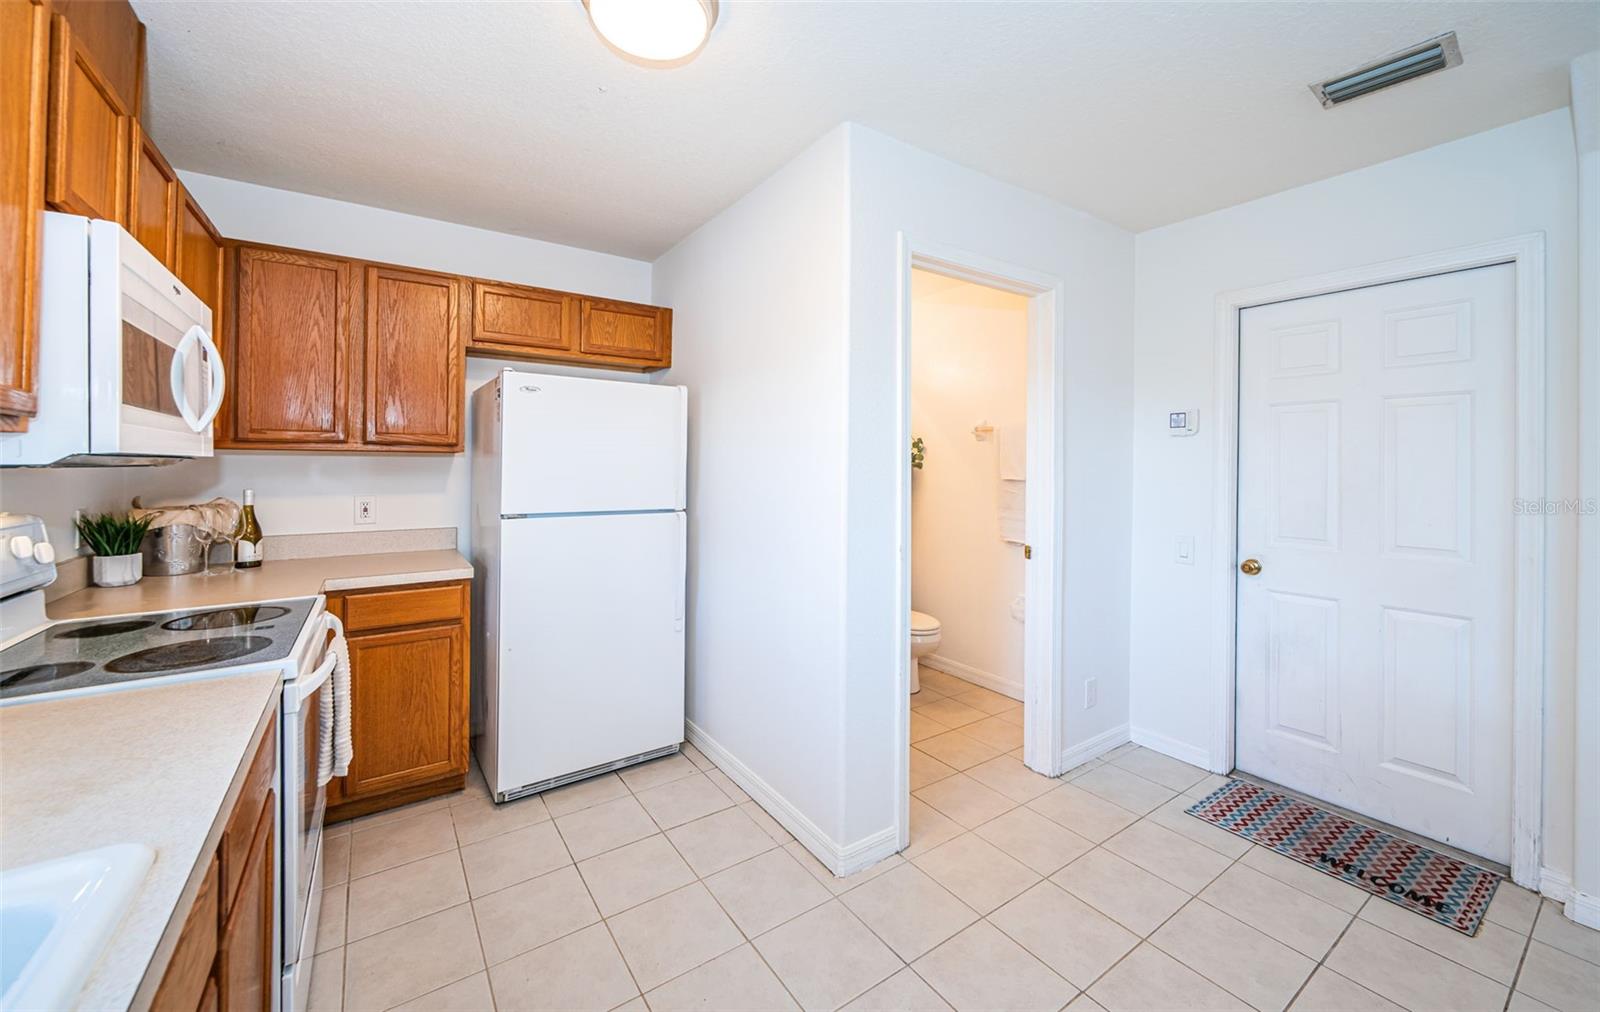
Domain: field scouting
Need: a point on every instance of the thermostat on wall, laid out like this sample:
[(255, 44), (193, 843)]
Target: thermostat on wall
[(1183, 423)]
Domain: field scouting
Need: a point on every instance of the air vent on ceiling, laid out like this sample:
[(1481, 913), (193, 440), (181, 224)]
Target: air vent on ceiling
[(1437, 53)]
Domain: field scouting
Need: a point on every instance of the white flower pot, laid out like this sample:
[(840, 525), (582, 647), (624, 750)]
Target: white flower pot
[(117, 570)]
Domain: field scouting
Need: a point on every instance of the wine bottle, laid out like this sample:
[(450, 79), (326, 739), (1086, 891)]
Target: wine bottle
[(247, 550)]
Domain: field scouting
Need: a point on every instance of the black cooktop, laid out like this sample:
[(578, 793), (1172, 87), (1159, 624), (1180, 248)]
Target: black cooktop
[(109, 652)]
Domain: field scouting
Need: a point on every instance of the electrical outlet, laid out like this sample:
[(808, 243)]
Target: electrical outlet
[(1091, 693), (366, 509)]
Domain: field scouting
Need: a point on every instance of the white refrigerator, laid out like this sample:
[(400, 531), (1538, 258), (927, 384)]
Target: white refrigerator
[(580, 540)]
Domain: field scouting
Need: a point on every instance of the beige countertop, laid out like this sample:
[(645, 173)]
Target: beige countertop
[(273, 580), (154, 766)]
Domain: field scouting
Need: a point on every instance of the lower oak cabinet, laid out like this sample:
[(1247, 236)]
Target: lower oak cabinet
[(409, 706), (223, 958)]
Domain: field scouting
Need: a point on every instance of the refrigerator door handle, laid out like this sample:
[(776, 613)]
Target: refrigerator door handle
[(680, 588)]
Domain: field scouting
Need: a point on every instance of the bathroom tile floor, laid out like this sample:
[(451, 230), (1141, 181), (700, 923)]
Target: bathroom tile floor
[(667, 888)]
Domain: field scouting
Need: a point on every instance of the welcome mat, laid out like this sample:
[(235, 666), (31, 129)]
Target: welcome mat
[(1435, 885)]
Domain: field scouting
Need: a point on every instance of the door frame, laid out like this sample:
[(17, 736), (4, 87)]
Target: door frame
[(1526, 254), (1044, 501)]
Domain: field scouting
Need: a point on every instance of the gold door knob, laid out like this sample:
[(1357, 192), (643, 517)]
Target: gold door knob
[(1250, 567)]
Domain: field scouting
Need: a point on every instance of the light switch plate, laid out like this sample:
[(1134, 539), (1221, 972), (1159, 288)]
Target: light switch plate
[(1183, 551), (1183, 422)]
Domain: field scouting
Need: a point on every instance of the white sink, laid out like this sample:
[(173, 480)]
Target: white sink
[(56, 917)]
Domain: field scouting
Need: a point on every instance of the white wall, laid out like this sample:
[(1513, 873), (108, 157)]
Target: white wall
[(1504, 182), (759, 301), (969, 365), (299, 493)]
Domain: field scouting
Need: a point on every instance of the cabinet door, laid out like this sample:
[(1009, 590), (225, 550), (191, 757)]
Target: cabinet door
[(413, 358), (198, 255), (515, 319), (290, 364), (24, 64), (627, 331), (87, 168), (245, 950), (408, 710), (188, 975), (153, 199)]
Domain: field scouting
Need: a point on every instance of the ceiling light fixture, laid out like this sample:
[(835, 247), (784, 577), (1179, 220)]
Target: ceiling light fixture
[(656, 33), (1437, 53)]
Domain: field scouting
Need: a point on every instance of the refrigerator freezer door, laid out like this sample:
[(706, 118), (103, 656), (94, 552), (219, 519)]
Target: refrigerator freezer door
[(590, 446), (591, 646)]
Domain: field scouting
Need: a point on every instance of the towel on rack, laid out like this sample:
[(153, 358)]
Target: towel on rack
[(325, 736), (343, 744), (1013, 510), (1013, 453)]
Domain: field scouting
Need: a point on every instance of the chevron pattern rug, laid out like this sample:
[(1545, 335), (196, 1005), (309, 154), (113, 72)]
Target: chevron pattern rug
[(1437, 886)]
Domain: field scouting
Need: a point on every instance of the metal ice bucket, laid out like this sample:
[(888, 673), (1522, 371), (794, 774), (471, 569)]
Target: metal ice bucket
[(173, 550)]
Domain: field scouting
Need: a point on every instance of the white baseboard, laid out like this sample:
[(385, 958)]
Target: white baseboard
[(1554, 884), (1584, 908), (839, 859), (1095, 747), (977, 676), (1179, 750)]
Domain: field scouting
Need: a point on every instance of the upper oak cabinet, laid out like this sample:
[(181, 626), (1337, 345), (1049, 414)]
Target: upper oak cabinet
[(199, 255), (513, 320), (90, 123), (414, 359), (24, 65), (622, 330), (153, 199)]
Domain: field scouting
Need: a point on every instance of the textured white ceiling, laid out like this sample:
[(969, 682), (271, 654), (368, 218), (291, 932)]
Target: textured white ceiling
[(513, 116)]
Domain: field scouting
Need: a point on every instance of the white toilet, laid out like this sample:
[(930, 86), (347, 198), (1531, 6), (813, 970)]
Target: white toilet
[(925, 632)]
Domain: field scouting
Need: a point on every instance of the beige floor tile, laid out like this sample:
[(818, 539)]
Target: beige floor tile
[(908, 910), (725, 784), (1124, 789), (734, 980), (826, 957), (834, 883), (697, 757), (904, 992), (1091, 817), (673, 934), (330, 921), (929, 828), (529, 914), (1264, 972), (397, 895), (1084, 1003), (951, 713), (980, 874), (1326, 991), (481, 818), (956, 749), (996, 731), (1298, 920), (1174, 816), (767, 823), (657, 772), (633, 1005), (336, 858), (1014, 715), (470, 994), (512, 857), (1161, 769), (683, 800), (981, 968), (1494, 951), (1560, 979), (1410, 975), (941, 682), (1149, 979), (1178, 859), (1011, 778), (1122, 749), (1074, 939), (634, 873), (763, 892), (1308, 880), (1212, 782), (1522, 1003), (423, 955), (923, 726), (925, 770), (341, 828), (582, 970), (389, 817), (1080, 769), (605, 826), (1513, 907), (584, 794), (720, 841), (327, 982), (402, 842), (1131, 896), (987, 700), (1034, 840), (966, 801), (1555, 930)]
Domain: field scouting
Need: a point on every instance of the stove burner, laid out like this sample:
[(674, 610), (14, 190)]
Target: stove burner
[(33, 674), (103, 629), (225, 618), (192, 654)]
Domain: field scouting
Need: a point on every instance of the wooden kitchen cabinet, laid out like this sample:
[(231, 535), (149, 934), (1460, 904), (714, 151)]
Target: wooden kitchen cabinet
[(516, 320), (90, 125), (624, 330), (24, 70), (409, 695), (245, 964), (414, 363), (153, 199), (199, 256)]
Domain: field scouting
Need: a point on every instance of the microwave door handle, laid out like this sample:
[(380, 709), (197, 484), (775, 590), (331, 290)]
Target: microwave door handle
[(180, 358), (218, 380)]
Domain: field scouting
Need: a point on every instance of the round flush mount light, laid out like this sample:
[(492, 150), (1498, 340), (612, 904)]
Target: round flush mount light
[(656, 33)]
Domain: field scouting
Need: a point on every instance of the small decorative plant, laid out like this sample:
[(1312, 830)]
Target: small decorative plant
[(110, 534), (916, 453)]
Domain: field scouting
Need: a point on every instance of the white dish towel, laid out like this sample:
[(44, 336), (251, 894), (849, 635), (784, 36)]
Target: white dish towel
[(344, 748)]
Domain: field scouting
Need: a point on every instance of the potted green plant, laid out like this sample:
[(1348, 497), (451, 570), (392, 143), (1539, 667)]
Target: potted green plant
[(115, 540)]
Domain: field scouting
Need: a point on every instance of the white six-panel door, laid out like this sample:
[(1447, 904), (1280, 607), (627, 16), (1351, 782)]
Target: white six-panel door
[(1375, 489)]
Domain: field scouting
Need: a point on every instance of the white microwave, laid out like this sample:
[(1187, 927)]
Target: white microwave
[(127, 370)]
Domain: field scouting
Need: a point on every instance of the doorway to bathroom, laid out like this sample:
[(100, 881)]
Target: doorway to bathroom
[(980, 561)]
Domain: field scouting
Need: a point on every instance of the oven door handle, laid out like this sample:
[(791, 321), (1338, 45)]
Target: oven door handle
[(307, 687), (196, 335)]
